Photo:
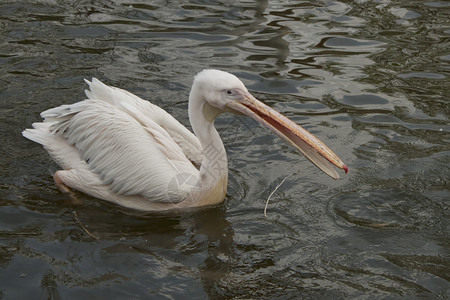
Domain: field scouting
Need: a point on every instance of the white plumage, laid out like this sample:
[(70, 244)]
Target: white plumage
[(120, 148)]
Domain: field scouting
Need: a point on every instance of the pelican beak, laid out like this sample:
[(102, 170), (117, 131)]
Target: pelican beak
[(305, 142)]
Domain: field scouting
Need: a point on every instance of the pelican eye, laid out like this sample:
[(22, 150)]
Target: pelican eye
[(233, 94)]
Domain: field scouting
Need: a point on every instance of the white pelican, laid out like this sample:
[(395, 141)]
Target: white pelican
[(117, 147)]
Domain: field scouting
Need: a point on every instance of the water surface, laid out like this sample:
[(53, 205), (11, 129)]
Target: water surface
[(369, 78)]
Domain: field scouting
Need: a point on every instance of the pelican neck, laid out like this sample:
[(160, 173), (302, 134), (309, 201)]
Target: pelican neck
[(214, 165)]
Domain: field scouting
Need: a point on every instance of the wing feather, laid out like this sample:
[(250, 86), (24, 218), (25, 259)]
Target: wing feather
[(130, 158), (138, 108), (133, 146)]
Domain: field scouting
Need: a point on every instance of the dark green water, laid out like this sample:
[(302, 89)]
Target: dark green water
[(369, 78)]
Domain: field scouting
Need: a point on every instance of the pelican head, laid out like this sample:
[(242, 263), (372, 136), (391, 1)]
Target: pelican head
[(214, 92), (219, 88)]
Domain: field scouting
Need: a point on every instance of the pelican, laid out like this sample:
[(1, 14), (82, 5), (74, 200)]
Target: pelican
[(120, 148)]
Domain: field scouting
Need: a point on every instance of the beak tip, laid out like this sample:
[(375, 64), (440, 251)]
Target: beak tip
[(345, 168)]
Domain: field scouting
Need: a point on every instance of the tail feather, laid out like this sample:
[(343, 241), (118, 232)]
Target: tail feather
[(64, 154), (39, 133)]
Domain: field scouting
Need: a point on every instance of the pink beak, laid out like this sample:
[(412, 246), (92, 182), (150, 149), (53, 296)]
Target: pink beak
[(305, 142)]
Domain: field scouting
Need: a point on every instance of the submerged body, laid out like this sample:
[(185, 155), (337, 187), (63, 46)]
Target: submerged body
[(120, 148)]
